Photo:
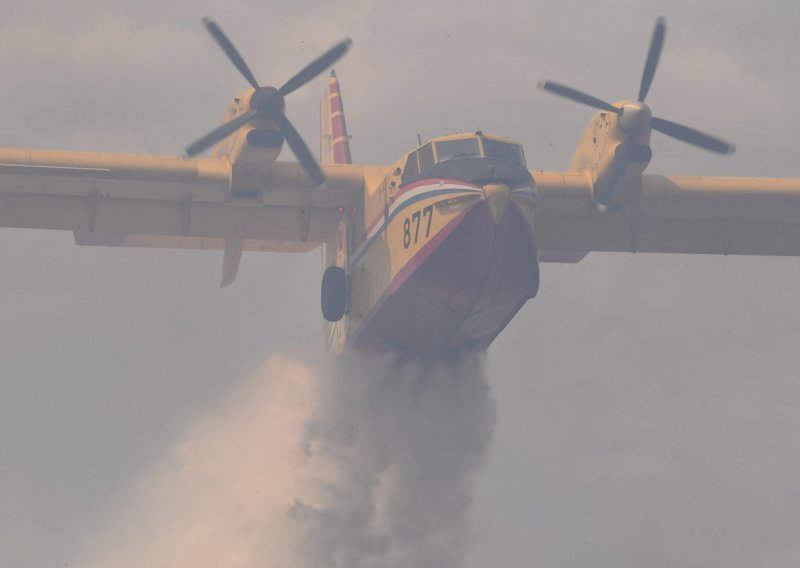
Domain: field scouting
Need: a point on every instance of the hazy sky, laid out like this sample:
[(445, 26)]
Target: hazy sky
[(646, 405)]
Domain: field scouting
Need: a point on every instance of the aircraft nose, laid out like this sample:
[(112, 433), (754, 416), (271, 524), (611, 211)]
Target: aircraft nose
[(496, 197)]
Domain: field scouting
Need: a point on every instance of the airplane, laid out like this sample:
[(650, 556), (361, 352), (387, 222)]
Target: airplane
[(431, 255)]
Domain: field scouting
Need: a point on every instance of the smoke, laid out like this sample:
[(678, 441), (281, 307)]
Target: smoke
[(368, 464)]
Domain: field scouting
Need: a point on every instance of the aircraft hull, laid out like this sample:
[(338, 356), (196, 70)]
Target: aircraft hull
[(460, 290)]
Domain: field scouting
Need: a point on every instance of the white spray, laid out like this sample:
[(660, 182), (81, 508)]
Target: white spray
[(390, 457), (368, 464)]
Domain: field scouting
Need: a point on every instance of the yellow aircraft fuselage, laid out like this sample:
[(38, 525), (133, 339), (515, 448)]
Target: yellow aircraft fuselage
[(441, 254)]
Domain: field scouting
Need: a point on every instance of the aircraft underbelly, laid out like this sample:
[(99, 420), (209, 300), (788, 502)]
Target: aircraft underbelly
[(461, 292)]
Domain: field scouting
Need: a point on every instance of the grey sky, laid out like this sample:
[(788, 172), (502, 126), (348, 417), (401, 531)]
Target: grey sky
[(646, 404)]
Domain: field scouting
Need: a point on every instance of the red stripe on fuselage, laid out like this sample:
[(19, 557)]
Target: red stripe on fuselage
[(431, 181), (461, 293), (415, 185), (423, 254)]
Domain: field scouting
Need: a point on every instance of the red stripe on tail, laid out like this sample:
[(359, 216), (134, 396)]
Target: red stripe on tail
[(334, 147)]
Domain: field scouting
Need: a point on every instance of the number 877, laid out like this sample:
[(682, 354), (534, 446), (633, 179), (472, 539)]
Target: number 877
[(411, 226)]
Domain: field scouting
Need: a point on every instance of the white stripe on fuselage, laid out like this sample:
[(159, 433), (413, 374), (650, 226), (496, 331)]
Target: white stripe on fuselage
[(404, 200), (447, 190)]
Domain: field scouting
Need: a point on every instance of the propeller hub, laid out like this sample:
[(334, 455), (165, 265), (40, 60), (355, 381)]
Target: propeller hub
[(635, 117), (267, 102)]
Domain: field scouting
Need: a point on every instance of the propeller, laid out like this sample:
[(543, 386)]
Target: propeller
[(268, 102), (636, 116)]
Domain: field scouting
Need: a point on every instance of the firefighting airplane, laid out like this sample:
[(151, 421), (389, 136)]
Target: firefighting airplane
[(430, 255)]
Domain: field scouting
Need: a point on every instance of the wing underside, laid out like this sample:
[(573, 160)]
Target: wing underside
[(172, 202), (670, 214), (99, 195)]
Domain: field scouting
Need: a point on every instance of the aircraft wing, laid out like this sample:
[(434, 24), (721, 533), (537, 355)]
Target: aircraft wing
[(669, 214), (172, 202)]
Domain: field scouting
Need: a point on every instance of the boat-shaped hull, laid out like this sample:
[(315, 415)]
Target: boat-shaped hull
[(460, 290)]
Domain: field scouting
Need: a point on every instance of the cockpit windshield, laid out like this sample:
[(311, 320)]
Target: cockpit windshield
[(503, 151), (453, 149), (422, 160)]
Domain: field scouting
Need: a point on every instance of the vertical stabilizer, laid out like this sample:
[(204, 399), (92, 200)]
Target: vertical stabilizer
[(334, 148), (334, 141)]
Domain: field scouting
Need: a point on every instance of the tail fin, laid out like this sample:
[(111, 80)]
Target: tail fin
[(334, 144)]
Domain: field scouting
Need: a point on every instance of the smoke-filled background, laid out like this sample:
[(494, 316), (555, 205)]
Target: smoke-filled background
[(646, 406)]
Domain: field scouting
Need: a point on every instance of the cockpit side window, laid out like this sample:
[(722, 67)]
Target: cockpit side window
[(503, 151), (454, 149), (411, 168), (426, 157)]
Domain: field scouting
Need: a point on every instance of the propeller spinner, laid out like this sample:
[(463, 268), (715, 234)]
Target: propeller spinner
[(268, 102), (636, 116)]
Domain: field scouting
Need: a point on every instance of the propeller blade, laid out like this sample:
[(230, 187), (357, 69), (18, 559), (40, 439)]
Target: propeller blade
[(304, 155), (219, 133), (691, 136), (612, 183), (577, 96), (652, 58), (319, 65), (230, 51)]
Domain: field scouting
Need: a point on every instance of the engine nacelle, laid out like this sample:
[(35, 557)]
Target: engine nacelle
[(250, 149), (605, 146)]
